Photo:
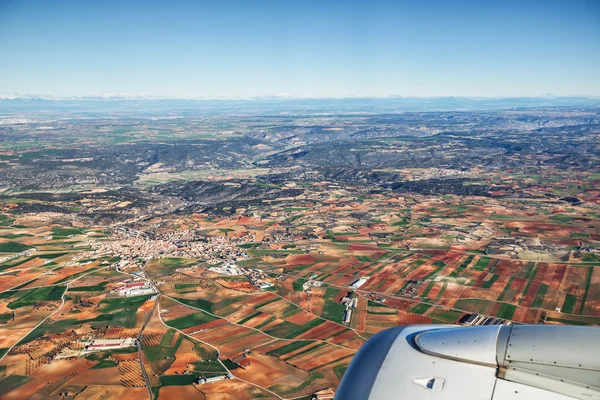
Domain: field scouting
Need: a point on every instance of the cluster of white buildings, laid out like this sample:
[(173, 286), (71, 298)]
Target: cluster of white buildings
[(310, 283), (109, 344), (350, 302), (265, 285), (213, 379), (227, 269), (135, 289)]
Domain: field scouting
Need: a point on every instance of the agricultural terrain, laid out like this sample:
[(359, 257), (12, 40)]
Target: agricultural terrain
[(246, 253)]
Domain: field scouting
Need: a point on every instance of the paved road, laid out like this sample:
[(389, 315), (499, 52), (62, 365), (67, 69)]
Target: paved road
[(139, 346)]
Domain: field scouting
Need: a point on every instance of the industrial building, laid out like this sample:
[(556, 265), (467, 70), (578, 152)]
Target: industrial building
[(135, 289), (109, 344), (358, 283), (213, 379), (227, 269), (347, 315), (482, 320)]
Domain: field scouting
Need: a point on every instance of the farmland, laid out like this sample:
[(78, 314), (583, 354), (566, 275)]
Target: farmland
[(224, 257)]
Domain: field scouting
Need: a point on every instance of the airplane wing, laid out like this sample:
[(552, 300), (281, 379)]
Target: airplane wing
[(497, 362)]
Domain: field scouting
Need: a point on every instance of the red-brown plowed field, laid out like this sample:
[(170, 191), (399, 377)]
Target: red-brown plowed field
[(268, 371), (399, 304), (435, 290), (406, 318), (392, 286), (359, 319), (454, 291), (477, 292), (321, 331), (180, 392), (230, 389), (376, 323), (528, 297), (208, 325), (313, 302), (245, 287), (33, 263), (513, 294), (9, 281), (101, 376), (113, 392), (258, 320), (340, 280), (508, 268), (294, 260), (300, 318), (185, 355), (421, 272), (267, 347), (307, 348), (258, 299), (348, 339), (526, 315), (320, 357), (374, 282)]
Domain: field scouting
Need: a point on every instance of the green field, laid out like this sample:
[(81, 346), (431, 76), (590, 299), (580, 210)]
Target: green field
[(32, 296), (13, 247), (428, 288), (569, 304), (4, 318), (12, 382), (297, 284), (506, 288), (293, 346), (119, 304), (164, 351), (333, 311), (339, 370), (177, 380), (482, 263), (248, 318), (331, 294), (190, 320), (488, 284), (478, 306), (288, 330), (104, 355), (94, 288), (105, 364), (434, 273), (249, 245), (579, 235), (444, 316), (267, 322), (588, 283), (539, 296), (198, 303), (420, 308), (65, 232), (467, 261), (183, 288), (506, 311), (212, 367)]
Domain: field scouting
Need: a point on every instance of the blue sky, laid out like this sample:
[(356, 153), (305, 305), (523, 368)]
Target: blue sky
[(243, 49)]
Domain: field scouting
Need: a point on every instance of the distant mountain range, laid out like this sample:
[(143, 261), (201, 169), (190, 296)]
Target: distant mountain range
[(121, 102)]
